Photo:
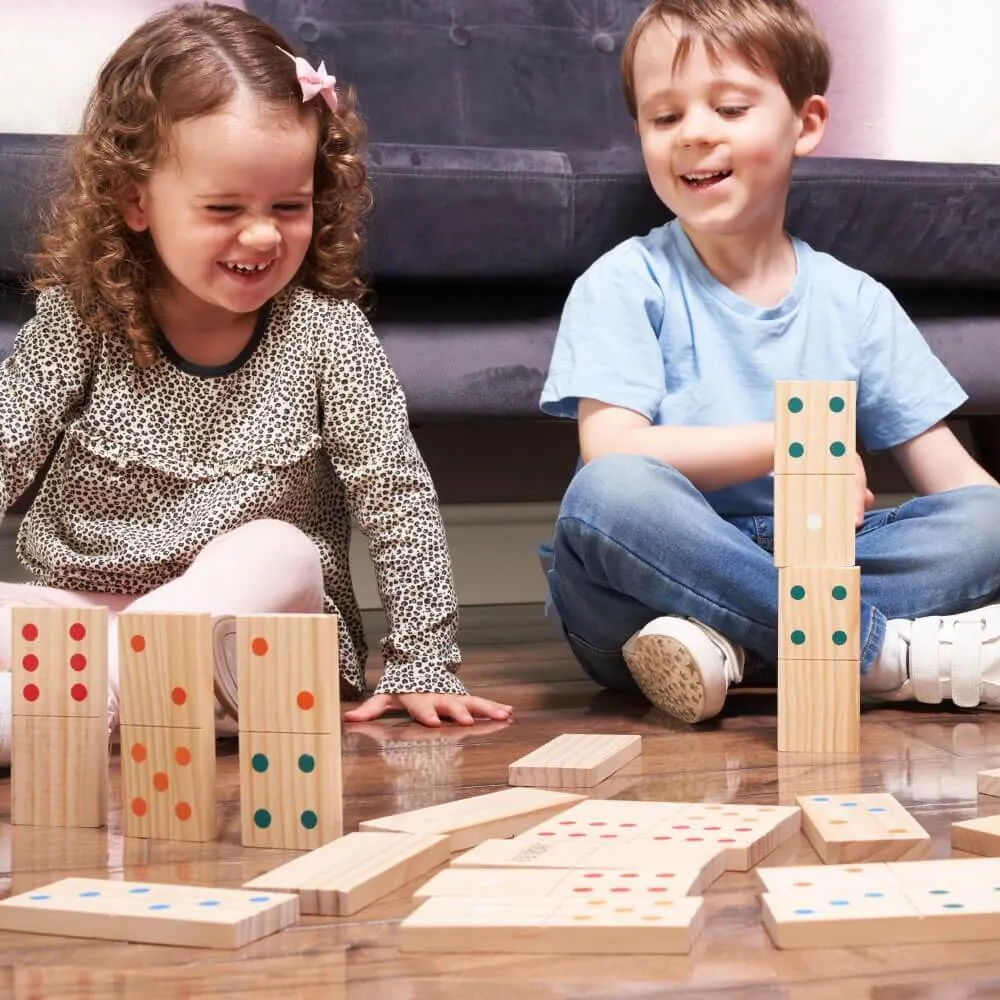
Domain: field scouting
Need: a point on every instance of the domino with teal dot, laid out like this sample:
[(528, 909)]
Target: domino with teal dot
[(819, 611), (815, 428)]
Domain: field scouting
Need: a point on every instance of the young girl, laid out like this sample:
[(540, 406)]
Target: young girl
[(224, 405)]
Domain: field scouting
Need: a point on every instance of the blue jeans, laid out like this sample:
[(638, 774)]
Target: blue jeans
[(635, 540)]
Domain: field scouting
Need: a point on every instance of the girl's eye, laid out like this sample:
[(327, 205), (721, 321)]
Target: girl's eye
[(733, 112), (291, 207), (221, 209)]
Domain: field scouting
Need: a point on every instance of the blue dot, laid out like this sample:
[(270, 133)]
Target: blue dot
[(803, 913), (309, 819), (939, 892), (40, 896), (209, 902), (840, 902), (821, 798), (876, 809), (90, 892), (138, 890), (954, 906), (849, 805), (159, 906), (262, 819), (260, 899), (874, 895)]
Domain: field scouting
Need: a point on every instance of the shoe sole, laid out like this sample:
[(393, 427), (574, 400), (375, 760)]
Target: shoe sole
[(669, 677)]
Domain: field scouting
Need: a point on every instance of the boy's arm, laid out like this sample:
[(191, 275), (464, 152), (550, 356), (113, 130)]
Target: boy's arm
[(712, 458), (936, 461)]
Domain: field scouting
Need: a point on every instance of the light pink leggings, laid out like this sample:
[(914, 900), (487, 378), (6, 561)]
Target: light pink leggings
[(264, 567)]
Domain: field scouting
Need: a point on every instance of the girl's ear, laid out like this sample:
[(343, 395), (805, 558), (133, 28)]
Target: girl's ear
[(133, 205)]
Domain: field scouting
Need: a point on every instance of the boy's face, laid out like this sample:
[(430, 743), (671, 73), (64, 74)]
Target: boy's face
[(230, 209), (718, 141)]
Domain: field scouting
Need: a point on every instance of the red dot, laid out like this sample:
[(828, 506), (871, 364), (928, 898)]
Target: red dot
[(183, 811), (629, 875), (259, 646), (665, 875), (30, 662), (139, 807), (743, 829), (78, 692), (138, 752), (77, 632), (727, 840), (178, 696), (31, 692), (620, 888), (583, 888), (30, 632), (626, 824), (662, 836), (694, 840), (608, 836), (713, 827), (657, 888), (598, 823), (594, 875), (305, 700), (183, 756), (160, 781), (546, 833), (567, 822), (578, 835), (680, 826), (138, 643), (78, 662)]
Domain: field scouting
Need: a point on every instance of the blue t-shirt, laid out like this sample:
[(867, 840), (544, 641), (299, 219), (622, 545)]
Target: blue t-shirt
[(649, 328)]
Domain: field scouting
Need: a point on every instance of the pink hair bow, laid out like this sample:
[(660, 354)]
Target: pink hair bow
[(314, 81)]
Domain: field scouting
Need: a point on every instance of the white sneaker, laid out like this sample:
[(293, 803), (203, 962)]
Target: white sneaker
[(953, 657), (683, 667)]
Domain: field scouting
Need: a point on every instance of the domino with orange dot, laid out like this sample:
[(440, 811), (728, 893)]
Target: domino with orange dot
[(167, 725), (288, 675), (59, 683)]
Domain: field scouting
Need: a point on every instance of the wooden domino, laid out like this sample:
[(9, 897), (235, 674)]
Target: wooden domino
[(346, 875), (819, 613), (815, 425), (988, 782), (149, 913), (60, 745), (814, 520), (566, 926), (857, 828), (167, 732), (574, 760), (977, 836), (819, 706), (291, 783), (470, 821)]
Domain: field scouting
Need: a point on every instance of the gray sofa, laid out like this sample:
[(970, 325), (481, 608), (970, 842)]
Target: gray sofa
[(503, 163)]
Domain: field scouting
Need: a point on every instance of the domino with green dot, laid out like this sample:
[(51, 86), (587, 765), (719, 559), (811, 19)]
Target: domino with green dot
[(815, 428), (818, 613)]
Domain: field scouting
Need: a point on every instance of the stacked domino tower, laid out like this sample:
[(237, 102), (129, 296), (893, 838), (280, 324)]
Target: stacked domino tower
[(819, 602)]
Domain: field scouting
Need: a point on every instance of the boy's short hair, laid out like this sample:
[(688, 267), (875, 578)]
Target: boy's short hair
[(777, 36)]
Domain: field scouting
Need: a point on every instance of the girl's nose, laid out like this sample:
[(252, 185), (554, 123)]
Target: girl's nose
[(260, 235)]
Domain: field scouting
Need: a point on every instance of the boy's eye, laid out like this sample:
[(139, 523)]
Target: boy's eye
[(733, 111), (222, 208), (666, 119)]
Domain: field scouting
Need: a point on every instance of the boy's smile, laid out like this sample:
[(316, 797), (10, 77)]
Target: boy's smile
[(718, 138)]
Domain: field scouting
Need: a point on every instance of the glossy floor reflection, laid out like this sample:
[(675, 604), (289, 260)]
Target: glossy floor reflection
[(928, 759)]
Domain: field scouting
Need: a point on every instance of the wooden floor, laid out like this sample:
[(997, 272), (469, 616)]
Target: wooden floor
[(927, 759)]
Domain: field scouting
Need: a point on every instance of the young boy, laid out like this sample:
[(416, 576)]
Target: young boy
[(667, 355)]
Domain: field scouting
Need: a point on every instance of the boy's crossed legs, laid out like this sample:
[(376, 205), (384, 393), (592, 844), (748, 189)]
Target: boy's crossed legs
[(264, 567), (636, 542)]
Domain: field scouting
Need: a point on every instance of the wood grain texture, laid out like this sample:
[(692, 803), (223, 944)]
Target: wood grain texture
[(977, 836), (989, 782), (815, 428), (819, 610), (819, 707), (814, 520), (574, 760)]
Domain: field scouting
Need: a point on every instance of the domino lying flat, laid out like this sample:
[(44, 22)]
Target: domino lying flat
[(346, 875), (145, 912), (574, 761), (595, 926)]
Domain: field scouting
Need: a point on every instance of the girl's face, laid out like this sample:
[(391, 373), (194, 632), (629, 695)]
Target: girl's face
[(230, 209)]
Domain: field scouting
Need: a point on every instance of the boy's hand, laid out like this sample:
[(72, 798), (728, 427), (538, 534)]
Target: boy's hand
[(864, 497), (428, 709)]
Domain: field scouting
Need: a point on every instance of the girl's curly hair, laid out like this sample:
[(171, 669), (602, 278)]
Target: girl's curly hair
[(187, 62)]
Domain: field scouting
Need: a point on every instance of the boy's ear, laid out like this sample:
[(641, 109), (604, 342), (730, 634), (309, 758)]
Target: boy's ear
[(813, 117), (133, 206)]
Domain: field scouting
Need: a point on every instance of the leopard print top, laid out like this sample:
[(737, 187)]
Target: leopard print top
[(310, 427)]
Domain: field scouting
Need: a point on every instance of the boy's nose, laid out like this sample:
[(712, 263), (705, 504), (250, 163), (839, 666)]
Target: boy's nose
[(696, 128), (260, 235)]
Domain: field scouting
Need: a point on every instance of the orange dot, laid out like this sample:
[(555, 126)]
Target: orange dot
[(138, 752), (305, 700), (138, 643), (259, 646), (139, 807), (178, 696), (161, 781), (183, 811), (183, 756)]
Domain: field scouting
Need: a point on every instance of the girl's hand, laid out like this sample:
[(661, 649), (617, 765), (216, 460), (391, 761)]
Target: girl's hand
[(428, 709)]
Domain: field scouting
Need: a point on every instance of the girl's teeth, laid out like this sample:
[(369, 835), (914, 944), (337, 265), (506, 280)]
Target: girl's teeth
[(247, 268)]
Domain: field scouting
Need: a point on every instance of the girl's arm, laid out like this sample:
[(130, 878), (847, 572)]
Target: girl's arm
[(42, 382)]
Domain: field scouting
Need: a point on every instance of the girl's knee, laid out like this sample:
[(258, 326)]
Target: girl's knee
[(279, 543)]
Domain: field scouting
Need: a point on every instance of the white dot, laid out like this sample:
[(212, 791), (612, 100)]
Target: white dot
[(814, 522)]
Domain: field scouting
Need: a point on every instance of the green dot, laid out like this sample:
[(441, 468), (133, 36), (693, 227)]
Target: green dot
[(309, 819), (798, 637), (307, 763), (838, 449), (839, 638), (259, 762), (796, 449), (798, 592), (795, 405), (837, 404), (262, 819), (839, 593)]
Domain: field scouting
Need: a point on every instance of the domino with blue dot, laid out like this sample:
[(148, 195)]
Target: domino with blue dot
[(149, 913)]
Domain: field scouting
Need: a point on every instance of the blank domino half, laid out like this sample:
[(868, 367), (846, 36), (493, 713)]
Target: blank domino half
[(575, 760), (664, 926), (148, 913), (470, 821), (870, 827), (977, 836), (989, 782), (346, 875)]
